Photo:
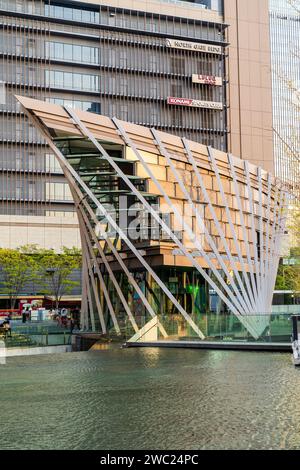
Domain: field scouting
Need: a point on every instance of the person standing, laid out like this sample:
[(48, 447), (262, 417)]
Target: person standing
[(24, 316), (7, 327)]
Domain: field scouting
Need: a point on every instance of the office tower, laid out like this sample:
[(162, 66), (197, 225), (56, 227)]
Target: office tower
[(250, 83), (179, 66), (160, 65), (285, 46)]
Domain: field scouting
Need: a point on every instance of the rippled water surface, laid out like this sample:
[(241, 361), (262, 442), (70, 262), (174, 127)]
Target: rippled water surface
[(150, 398)]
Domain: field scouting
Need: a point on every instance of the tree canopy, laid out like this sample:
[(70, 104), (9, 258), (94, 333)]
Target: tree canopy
[(289, 271), (55, 270), (30, 263), (17, 268)]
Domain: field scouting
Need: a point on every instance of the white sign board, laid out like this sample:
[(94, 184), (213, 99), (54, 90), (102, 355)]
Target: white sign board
[(207, 80), (2, 353), (2, 93), (193, 46)]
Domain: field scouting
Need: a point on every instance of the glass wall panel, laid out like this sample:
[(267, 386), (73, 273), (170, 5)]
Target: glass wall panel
[(58, 192), (72, 52), (69, 80), (51, 164), (91, 106), (75, 14)]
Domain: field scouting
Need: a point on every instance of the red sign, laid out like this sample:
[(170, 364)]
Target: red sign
[(180, 101), (29, 301)]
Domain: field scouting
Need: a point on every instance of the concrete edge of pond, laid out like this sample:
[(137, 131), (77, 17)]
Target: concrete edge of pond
[(34, 351), (211, 345)]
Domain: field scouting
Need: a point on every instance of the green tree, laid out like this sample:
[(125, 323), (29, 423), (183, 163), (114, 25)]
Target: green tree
[(289, 272), (55, 270), (17, 268)]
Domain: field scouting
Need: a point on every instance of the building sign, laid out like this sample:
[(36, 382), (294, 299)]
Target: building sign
[(193, 46), (207, 80), (290, 261), (2, 93), (195, 103)]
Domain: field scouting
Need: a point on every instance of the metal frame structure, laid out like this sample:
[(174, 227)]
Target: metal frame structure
[(240, 253)]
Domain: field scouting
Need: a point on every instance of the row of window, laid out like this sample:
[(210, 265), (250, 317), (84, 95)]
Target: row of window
[(8, 102), (135, 21), (18, 129), (90, 106), (74, 81), (51, 164), (33, 208), (111, 55), (30, 189), (158, 114), (193, 121), (72, 14), (58, 192), (139, 60), (28, 160), (132, 86), (72, 52), (216, 5), (90, 15), (67, 214)]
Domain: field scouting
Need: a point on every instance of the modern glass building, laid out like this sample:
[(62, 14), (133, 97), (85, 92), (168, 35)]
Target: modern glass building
[(250, 116), (166, 223), (285, 45), (156, 86), (166, 64), (162, 67)]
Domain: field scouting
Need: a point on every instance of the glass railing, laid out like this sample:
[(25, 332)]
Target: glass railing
[(220, 327), (37, 335), (271, 328)]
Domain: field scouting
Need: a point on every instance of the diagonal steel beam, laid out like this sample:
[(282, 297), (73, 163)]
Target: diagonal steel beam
[(105, 155), (244, 301), (226, 300), (104, 260), (253, 288)]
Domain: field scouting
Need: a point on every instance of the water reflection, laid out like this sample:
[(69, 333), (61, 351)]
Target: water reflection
[(159, 399)]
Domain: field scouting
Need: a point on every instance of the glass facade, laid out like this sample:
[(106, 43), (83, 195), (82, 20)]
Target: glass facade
[(88, 13), (58, 192), (211, 251), (285, 44), (123, 17), (51, 164), (93, 16), (72, 13), (72, 52), (107, 60), (72, 80), (220, 327), (216, 5), (90, 106)]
